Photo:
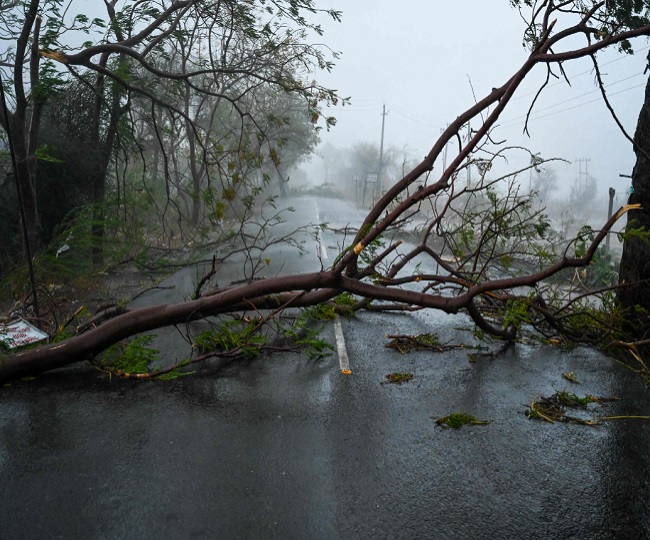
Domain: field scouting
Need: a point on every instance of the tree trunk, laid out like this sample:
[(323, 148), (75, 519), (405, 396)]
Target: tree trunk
[(282, 185), (26, 179), (635, 263)]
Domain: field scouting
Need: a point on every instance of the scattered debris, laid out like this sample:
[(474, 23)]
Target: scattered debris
[(569, 376), (397, 378), (420, 342), (552, 409), (460, 419), (19, 333)]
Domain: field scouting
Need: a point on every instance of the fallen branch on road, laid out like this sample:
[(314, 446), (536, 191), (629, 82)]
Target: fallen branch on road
[(483, 236)]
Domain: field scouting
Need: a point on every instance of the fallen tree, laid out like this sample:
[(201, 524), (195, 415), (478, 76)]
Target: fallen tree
[(489, 252)]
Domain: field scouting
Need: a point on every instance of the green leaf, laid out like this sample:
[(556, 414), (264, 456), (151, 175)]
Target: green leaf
[(43, 154)]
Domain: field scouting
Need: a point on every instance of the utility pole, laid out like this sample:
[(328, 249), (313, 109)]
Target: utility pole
[(580, 173), (381, 151), (469, 167), (612, 193), (444, 154)]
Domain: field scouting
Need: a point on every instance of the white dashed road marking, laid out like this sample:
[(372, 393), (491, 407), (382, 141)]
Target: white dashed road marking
[(323, 249), (342, 350), (344, 361)]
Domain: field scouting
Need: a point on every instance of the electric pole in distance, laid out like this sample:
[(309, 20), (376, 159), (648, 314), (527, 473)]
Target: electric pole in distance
[(381, 152)]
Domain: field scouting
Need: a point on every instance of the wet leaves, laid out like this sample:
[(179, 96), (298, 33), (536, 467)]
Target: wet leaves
[(569, 376), (553, 408), (420, 342), (398, 378), (460, 419)]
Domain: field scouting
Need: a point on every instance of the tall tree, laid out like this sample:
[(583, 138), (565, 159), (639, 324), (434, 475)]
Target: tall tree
[(233, 46), (634, 273), (609, 19)]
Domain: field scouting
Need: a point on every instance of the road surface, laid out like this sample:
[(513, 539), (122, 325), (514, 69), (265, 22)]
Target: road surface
[(287, 447)]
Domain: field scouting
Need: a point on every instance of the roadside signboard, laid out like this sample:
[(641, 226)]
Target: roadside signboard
[(19, 333)]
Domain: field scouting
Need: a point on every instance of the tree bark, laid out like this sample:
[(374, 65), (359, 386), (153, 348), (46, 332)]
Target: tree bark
[(20, 134), (635, 262)]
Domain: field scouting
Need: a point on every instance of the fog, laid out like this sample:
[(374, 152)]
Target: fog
[(428, 61)]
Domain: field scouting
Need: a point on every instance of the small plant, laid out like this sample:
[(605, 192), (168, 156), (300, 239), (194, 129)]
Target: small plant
[(460, 419)]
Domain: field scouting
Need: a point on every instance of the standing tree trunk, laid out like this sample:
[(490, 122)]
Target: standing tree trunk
[(282, 184), (20, 122), (26, 171), (635, 263)]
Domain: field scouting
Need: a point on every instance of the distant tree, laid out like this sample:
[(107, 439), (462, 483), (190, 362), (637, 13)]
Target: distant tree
[(544, 183), (583, 193), (289, 131)]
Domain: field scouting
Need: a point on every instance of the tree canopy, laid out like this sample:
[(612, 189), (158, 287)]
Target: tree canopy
[(144, 70)]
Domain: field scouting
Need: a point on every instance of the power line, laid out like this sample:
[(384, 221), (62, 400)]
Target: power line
[(514, 121), (412, 118), (509, 123), (580, 74), (533, 117)]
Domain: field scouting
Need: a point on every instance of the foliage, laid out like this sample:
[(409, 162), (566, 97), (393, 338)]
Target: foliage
[(603, 270), (303, 334), (612, 17), (488, 231), (175, 373), (133, 357), (405, 344), (552, 409), (249, 337), (236, 336), (66, 330), (342, 304), (398, 378), (196, 99)]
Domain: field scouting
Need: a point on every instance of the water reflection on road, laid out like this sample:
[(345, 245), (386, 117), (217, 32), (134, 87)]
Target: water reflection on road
[(288, 447)]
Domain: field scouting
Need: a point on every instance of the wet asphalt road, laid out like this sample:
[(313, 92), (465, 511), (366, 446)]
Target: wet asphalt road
[(288, 447)]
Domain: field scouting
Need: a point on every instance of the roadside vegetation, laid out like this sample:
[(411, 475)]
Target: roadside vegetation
[(154, 138)]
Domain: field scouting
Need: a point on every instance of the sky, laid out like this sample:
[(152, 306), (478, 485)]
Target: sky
[(418, 57)]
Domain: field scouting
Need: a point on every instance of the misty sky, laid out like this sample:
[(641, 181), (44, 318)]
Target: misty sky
[(418, 57)]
